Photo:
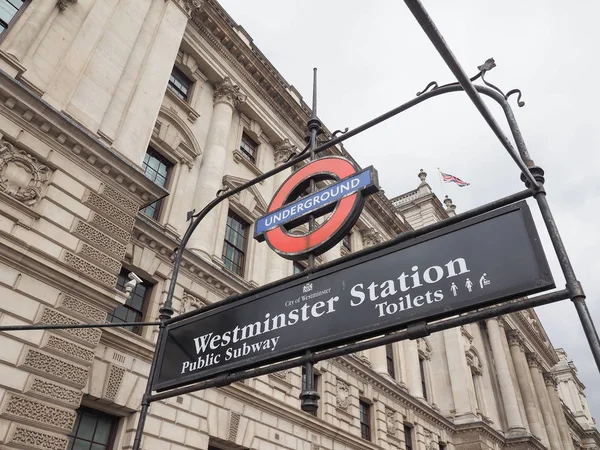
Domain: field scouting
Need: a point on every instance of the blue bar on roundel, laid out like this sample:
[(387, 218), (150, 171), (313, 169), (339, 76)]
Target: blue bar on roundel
[(315, 201)]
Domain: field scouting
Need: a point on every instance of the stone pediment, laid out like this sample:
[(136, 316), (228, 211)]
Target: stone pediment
[(250, 200), (174, 136)]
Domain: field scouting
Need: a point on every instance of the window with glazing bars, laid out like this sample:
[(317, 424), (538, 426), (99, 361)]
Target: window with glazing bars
[(423, 373), (365, 420), (347, 243), (157, 168), (8, 9), (133, 309), (180, 84), (389, 356), (234, 248), (248, 148), (408, 437), (93, 430)]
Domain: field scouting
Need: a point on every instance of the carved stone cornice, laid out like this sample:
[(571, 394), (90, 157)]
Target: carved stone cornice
[(226, 91), (283, 150), (370, 237)]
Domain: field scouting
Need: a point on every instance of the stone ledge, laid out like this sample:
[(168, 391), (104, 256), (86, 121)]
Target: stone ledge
[(55, 368), (49, 390)]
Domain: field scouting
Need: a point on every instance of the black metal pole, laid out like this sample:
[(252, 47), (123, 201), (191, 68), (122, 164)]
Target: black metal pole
[(65, 326)]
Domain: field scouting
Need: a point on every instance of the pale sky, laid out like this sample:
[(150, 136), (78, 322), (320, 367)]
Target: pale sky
[(373, 56)]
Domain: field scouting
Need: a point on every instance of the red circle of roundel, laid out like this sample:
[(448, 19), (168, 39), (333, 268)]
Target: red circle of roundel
[(322, 238)]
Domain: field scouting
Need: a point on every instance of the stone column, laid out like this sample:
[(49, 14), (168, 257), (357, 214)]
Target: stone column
[(226, 97), (379, 361), (559, 415), (536, 422), (31, 29), (275, 263), (413, 371), (460, 377), (507, 389), (542, 395)]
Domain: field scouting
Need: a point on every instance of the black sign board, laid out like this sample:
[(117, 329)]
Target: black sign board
[(462, 267)]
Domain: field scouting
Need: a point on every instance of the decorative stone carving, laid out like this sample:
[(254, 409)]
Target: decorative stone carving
[(514, 337), (533, 360), (422, 176), (473, 361), (390, 421), (29, 438), (119, 199), (56, 392), (105, 207), (22, 176), (43, 413), (113, 382), (371, 237), (550, 379), (283, 150), (89, 336), (364, 359), (89, 269), (226, 91), (234, 424), (100, 240), (114, 230), (342, 399), (69, 349), (63, 4), (190, 302), (55, 368), (193, 6), (282, 374), (100, 258), (82, 309)]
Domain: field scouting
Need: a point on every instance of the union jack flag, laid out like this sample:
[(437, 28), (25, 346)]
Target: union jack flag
[(452, 179)]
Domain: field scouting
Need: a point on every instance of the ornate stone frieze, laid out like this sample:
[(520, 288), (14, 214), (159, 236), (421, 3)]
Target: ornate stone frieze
[(22, 176), (40, 387), (283, 150), (89, 336), (30, 438), (115, 231), (119, 199), (371, 237), (100, 240), (190, 302), (69, 349), (234, 424), (342, 399), (36, 411), (390, 421), (82, 309), (56, 368), (111, 211), (226, 91), (89, 269), (113, 382), (99, 257)]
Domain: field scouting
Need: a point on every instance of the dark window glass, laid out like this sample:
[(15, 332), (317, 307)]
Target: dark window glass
[(93, 430), (133, 309), (298, 268), (423, 383), (346, 243), (8, 9), (408, 436), (365, 420), (442, 446), (248, 148), (157, 168), (234, 248), (389, 356), (180, 84)]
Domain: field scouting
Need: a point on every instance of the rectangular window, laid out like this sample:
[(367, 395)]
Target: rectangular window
[(408, 436), (156, 168), (389, 356), (93, 430), (442, 445), (180, 84), (365, 420), (234, 248), (8, 9), (134, 307), (423, 382), (248, 148), (347, 242)]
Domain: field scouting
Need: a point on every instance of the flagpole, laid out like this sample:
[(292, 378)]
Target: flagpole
[(441, 184)]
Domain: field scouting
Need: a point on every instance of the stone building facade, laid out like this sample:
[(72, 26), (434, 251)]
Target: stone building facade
[(119, 117)]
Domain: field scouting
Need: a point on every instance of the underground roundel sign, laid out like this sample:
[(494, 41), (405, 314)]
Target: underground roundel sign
[(336, 203)]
